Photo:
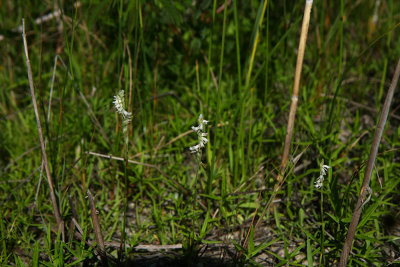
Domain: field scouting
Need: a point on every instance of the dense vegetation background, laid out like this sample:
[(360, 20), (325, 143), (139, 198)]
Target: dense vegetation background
[(176, 60)]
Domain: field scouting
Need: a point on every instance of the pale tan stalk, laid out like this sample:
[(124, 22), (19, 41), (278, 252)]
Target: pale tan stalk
[(295, 93)]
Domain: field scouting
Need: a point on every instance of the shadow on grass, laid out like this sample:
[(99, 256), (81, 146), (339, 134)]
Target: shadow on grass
[(166, 260)]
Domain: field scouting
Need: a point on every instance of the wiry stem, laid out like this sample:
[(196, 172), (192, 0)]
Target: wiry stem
[(53, 199), (368, 171)]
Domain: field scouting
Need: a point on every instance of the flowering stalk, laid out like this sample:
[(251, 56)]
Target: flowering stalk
[(318, 184), (197, 150), (320, 181), (119, 102), (201, 136)]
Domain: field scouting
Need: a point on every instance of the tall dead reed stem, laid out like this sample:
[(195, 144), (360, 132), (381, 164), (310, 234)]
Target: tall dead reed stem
[(296, 85), (53, 199)]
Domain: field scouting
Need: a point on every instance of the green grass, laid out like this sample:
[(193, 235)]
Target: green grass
[(175, 61)]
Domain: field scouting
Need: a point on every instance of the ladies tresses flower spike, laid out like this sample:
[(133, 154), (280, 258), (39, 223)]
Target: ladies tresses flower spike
[(320, 181), (201, 135), (119, 102)]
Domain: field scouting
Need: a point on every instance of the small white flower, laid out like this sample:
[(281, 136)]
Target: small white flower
[(119, 101), (320, 181), (194, 149), (200, 134), (324, 169), (203, 141)]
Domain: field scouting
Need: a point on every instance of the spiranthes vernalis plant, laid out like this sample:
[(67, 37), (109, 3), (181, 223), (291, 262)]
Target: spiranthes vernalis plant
[(119, 103), (320, 181), (197, 149), (200, 130), (319, 184)]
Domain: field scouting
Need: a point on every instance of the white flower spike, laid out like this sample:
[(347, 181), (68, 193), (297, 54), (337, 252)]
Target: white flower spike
[(119, 102), (320, 181), (201, 136)]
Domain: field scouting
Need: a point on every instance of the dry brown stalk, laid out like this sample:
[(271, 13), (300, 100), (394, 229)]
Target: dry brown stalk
[(295, 93), (96, 227), (53, 199), (368, 171)]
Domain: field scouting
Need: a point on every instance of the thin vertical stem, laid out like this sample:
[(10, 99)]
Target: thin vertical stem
[(210, 43), (239, 82), (239, 70), (53, 199), (126, 144), (321, 258), (221, 60), (340, 69), (267, 56), (295, 93), (194, 194), (255, 43), (368, 171), (123, 239)]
